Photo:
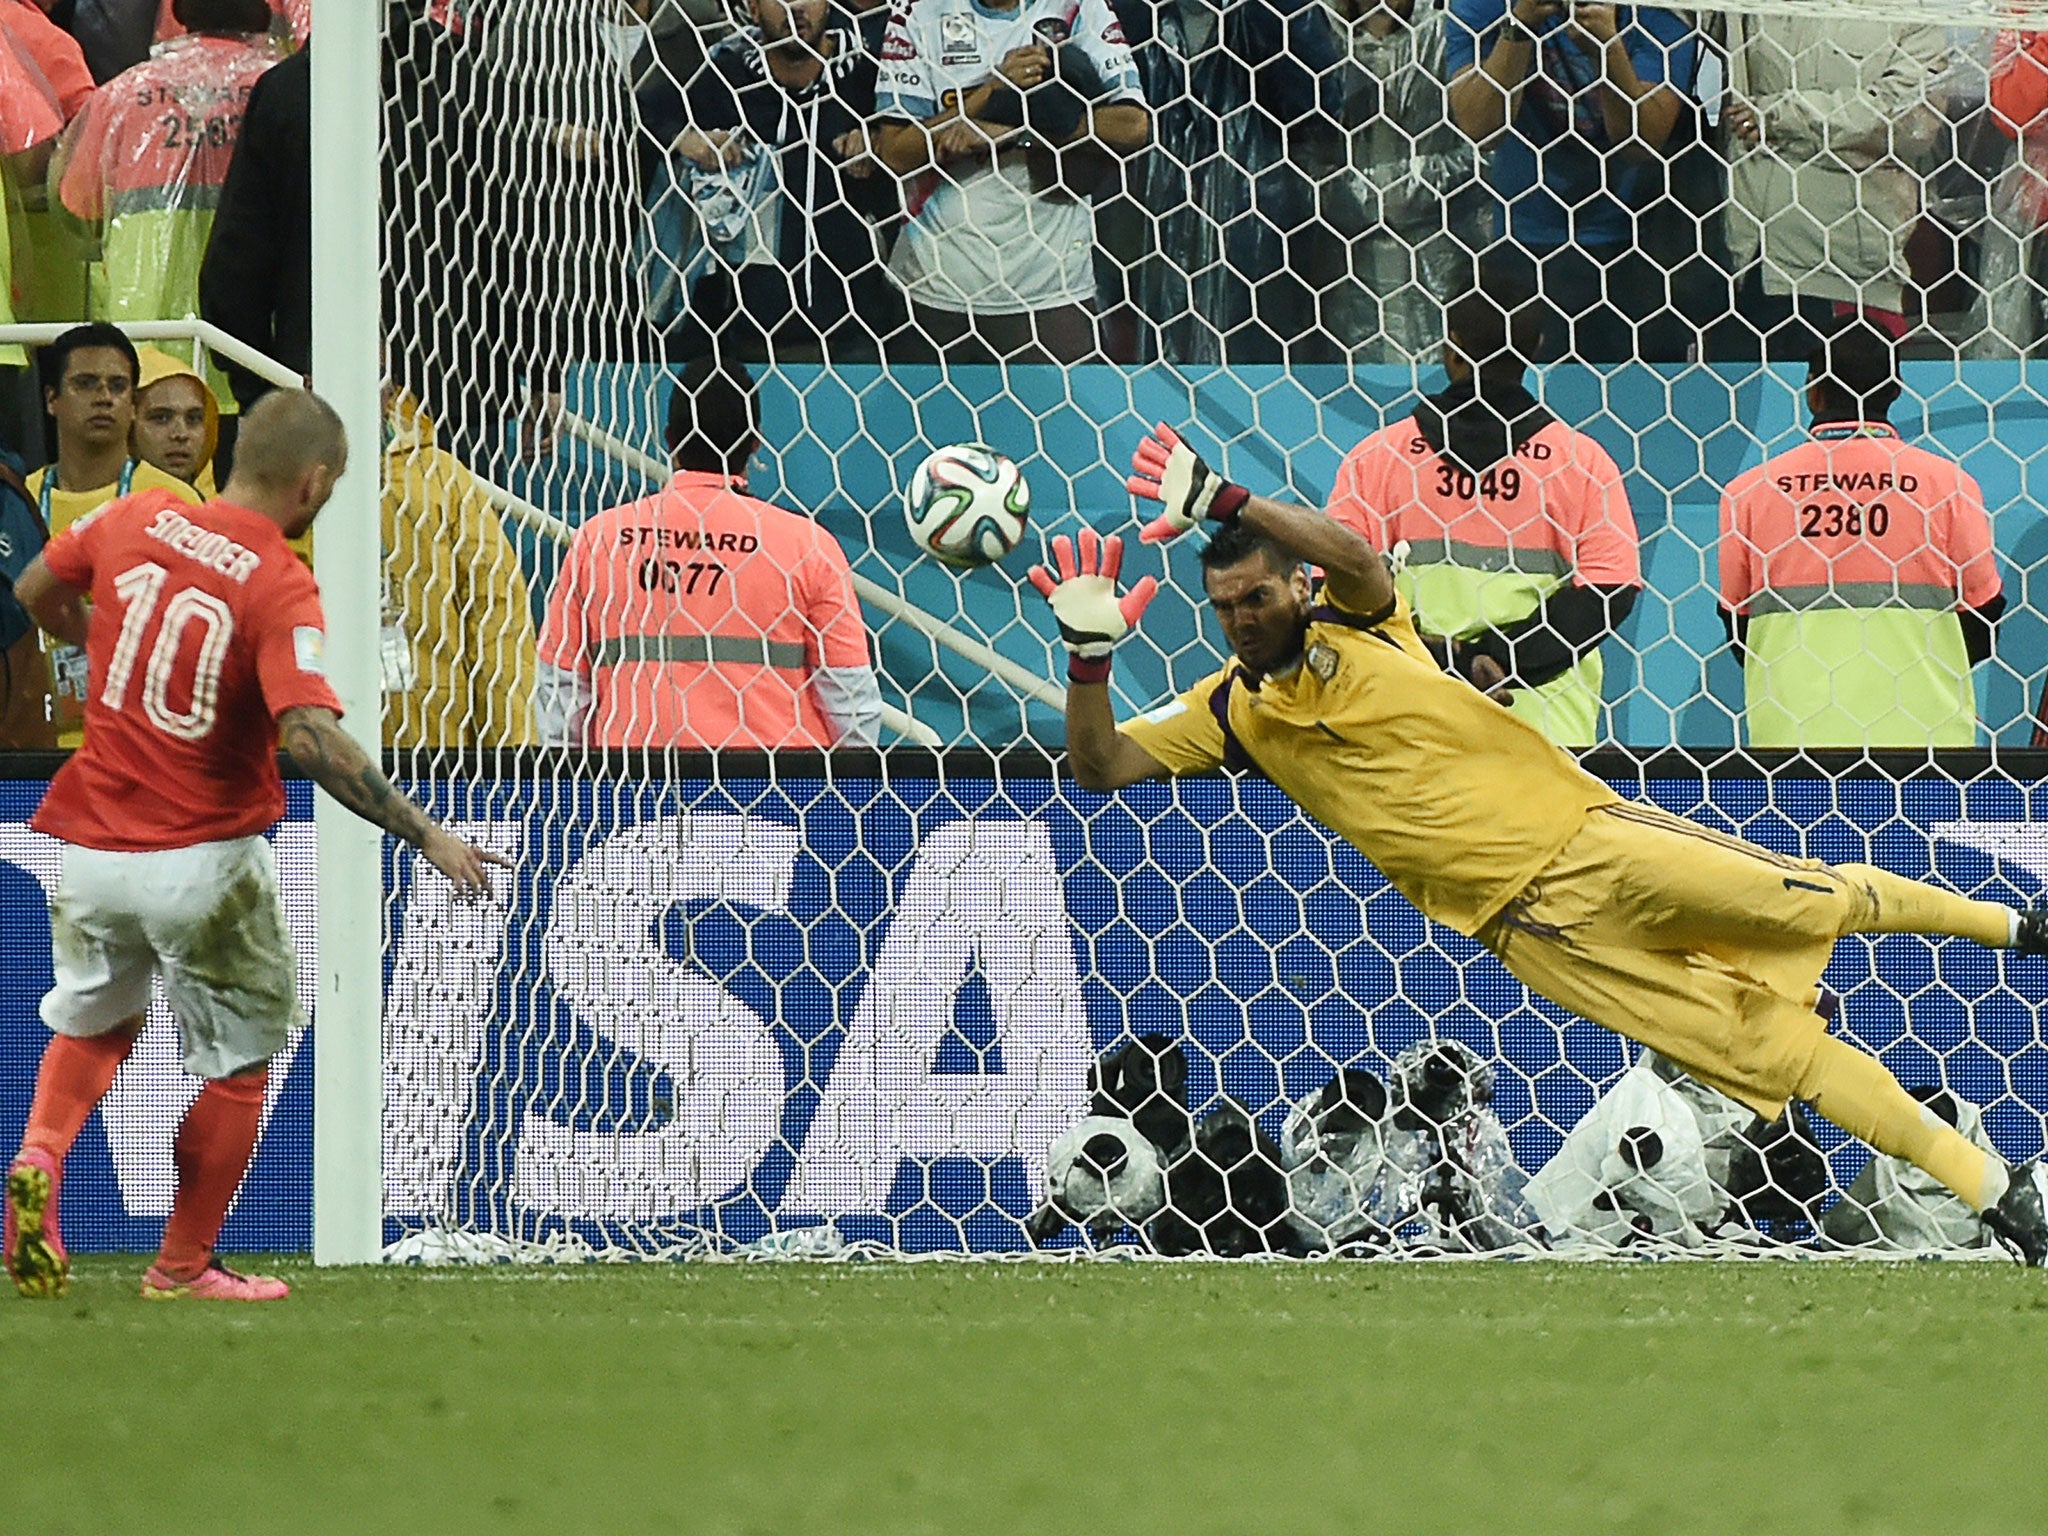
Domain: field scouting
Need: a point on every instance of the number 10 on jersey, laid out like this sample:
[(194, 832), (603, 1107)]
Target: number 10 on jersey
[(141, 587)]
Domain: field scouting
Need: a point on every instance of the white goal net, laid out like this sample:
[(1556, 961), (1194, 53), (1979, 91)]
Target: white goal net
[(739, 1001)]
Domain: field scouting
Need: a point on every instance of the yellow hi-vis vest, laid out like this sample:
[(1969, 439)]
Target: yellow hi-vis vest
[(1851, 554), (1465, 591), (1844, 676)]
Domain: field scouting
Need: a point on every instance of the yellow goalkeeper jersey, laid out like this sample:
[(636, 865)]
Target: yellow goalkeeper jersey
[(1458, 802)]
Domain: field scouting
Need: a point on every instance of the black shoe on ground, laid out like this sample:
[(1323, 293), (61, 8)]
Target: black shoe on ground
[(2020, 1219), (2033, 935)]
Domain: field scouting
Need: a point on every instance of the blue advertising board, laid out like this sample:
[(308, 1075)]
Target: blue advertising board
[(727, 1005)]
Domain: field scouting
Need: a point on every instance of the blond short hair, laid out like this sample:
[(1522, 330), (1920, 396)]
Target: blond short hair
[(286, 433)]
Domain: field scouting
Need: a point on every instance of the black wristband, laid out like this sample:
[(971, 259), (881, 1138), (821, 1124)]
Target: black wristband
[(1054, 111)]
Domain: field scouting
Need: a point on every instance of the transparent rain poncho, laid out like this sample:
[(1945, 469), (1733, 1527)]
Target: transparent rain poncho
[(143, 163)]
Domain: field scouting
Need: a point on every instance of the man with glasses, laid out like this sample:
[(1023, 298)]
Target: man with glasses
[(89, 376)]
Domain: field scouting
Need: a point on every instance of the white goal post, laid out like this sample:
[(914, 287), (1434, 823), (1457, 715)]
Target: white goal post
[(347, 1175), (348, 1092)]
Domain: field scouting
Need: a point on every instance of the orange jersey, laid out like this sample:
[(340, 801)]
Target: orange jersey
[(205, 628), (698, 616), (1856, 513)]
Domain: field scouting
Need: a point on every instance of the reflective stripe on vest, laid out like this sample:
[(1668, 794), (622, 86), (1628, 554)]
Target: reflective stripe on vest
[(1533, 560), (1835, 676), (701, 650), (1868, 596), (1463, 590)]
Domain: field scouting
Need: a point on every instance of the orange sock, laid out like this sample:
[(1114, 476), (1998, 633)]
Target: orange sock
[(74, 1077), (215, 1143)]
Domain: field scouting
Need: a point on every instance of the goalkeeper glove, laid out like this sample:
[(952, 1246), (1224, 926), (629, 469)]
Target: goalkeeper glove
[(1168, 471), (1092, 618)]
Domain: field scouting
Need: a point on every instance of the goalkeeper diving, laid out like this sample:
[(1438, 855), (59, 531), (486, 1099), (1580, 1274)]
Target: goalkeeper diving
[(1703, 947)]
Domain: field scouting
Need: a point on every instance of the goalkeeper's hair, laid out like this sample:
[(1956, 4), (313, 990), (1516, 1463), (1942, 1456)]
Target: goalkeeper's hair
[(1234, 542), (286, 433), (714, 420)]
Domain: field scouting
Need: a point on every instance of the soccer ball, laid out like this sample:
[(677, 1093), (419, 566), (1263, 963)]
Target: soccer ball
[(1103, 1174), (967, 505)]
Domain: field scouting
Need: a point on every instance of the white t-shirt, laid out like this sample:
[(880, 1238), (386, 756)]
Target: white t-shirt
[(979, 240)]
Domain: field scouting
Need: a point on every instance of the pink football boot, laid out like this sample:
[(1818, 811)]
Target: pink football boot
[(216, 1282)]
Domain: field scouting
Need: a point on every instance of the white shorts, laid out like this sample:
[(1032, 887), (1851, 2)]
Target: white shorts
[(208, 917)]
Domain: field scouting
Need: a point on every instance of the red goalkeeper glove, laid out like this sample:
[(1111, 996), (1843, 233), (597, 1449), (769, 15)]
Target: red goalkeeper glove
[(1092, 618), (1168, 471)]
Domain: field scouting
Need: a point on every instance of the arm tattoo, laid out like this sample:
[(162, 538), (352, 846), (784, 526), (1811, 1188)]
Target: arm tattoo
[(331, 758)]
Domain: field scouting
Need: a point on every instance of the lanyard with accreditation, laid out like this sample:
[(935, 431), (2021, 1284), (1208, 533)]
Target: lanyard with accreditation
[(68, 670)]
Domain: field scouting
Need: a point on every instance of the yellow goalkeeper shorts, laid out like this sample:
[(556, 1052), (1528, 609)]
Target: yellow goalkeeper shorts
[(1701, 946)]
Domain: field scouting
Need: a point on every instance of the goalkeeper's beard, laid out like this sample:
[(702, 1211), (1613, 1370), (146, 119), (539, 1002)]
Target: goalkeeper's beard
[(1264, 649)]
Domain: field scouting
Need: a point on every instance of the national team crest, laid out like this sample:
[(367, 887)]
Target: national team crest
[(1322, 660)]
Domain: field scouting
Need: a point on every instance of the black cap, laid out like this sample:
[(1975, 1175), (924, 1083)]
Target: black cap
[(714, 423), (1857, 367)]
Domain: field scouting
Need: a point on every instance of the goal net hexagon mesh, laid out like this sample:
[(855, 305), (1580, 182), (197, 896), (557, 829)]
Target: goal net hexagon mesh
[(785, 1003)]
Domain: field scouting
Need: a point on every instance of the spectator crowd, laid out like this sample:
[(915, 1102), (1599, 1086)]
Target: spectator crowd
[(1042, 180), (1491, 184), (1299, 180)]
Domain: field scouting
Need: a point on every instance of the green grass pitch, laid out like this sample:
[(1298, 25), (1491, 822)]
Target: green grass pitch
[(1121, 1399)]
